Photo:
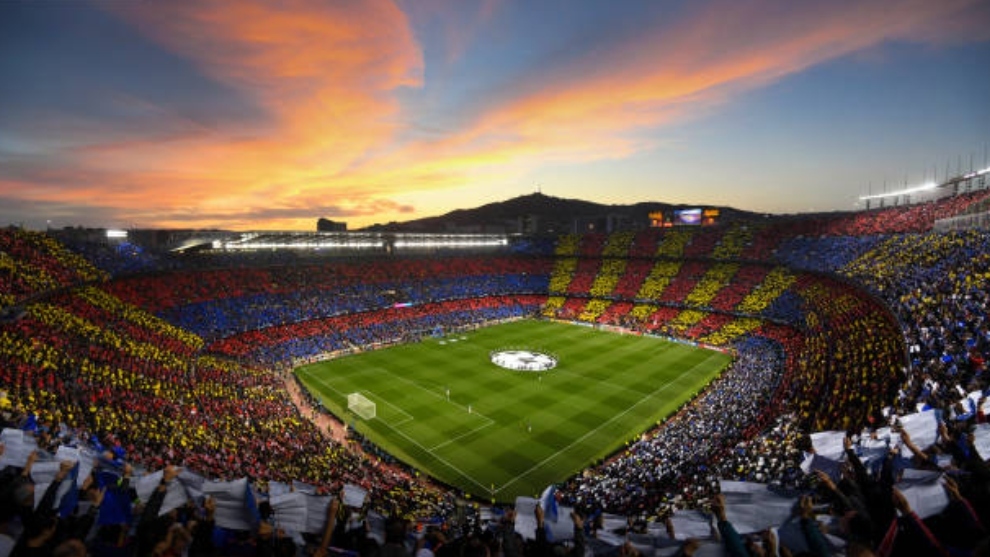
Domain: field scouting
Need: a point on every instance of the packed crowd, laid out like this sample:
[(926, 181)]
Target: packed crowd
[(84, 365), (65, 494), (139, 389), (31, 263), (935, 284), (217, 304)]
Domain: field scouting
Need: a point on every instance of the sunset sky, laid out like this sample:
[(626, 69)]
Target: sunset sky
[(267, 114)]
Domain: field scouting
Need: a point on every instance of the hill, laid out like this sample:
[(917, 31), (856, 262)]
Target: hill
[(539, 213)]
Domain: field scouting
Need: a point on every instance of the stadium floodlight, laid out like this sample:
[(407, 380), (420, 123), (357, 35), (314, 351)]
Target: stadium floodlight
[(249, 245), (924, 187), (450, 242), (360, 405)]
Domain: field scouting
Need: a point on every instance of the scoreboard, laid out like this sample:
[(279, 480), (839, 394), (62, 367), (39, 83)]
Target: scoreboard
[(695, 216)]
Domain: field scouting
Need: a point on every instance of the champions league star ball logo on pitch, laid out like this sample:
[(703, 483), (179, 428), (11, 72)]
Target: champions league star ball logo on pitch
[(524, 360)]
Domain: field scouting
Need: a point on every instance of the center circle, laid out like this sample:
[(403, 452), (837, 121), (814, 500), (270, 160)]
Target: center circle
[(523, 360)]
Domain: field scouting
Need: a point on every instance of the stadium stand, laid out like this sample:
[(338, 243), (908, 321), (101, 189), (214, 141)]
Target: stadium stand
[(858, 386)]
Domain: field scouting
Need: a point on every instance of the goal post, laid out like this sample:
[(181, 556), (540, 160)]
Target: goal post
[(360, 405)]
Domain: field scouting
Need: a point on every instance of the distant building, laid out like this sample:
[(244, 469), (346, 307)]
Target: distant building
[(327, 225)]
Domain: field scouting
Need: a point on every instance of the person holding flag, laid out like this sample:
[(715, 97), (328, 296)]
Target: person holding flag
[(546, 513), (548, 501)]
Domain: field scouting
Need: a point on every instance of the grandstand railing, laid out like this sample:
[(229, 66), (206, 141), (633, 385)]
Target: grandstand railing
[(963, 222)]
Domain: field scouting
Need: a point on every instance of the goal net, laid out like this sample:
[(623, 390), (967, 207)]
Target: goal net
[(357, 403)]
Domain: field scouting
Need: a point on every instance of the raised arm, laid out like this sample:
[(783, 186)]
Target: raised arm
[(331, 524), (733, 542)]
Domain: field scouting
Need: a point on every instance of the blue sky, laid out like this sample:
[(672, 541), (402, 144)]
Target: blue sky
[(268, 115)]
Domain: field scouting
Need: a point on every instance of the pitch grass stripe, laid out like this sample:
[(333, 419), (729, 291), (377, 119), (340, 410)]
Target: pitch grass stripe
[(595, 430), (394, 428), (603, 383), (459, 437)]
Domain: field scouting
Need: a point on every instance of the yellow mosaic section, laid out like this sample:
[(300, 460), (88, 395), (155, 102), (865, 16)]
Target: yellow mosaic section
[(618, 244), (729, 332), (116, 306), (733, 242), (642, 312), (674, 242), (685, 320), (715, 279), (659, 278), (774, 284), (553, 305), (567, 245), (73, 325), (608, 277), (563, 272), (594, 309)]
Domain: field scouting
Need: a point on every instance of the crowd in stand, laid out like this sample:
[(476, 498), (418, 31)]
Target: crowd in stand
[(85, 362), (31, 263), (84, 366), (219, 303), (936, 285)]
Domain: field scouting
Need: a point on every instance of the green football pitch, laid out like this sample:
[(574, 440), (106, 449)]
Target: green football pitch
[(500, 433)]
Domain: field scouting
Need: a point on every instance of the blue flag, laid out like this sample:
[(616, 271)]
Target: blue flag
[(548, 500), (94, 442), (251, 502), (70, 500), (116, 507), (31, 423)]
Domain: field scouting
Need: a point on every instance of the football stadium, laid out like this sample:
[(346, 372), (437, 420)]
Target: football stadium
[(661, 383), (494, 278)]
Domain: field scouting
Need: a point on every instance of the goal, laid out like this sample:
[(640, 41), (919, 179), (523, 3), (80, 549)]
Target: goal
[(357, 403)]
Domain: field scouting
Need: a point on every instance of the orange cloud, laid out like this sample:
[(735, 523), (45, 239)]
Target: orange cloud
[(326, 73)]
